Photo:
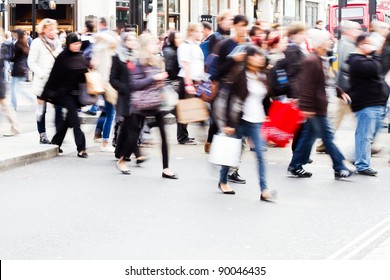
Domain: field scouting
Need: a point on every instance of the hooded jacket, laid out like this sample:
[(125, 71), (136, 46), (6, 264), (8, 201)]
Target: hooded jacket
[(368, 87)]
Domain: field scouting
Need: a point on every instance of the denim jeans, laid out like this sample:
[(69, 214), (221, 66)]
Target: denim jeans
[(313, 128), (368, 124), (252, 131), (17, 88), (110, 115)]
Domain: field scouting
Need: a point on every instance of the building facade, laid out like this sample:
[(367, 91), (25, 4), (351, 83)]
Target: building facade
[(167, 14)]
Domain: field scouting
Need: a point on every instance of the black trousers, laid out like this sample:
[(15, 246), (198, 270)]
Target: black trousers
[(69, 102), (127, 142), (182, 132)]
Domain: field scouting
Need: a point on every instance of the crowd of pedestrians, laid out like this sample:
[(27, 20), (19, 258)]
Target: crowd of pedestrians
[(236, 61)]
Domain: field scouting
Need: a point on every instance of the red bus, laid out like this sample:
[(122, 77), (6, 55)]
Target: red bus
[(355, 11)]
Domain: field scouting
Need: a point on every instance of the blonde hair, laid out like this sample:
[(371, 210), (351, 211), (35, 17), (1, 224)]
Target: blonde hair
[(144, 55), (193, 27), (295, 28), (223, 14), (45, 23)]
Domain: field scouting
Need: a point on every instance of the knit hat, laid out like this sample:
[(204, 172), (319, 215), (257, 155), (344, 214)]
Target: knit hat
[(72, 38)]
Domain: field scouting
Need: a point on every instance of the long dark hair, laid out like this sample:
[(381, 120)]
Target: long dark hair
[(21, 42), (171, 40)]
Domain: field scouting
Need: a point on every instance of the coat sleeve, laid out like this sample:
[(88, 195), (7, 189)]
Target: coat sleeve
[(140, 80), (33, 59), (115, 77)]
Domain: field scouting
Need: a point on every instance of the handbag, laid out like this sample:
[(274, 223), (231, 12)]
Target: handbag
[(225, 150), (170, 98), (146, 99), (284, 120), (94, 82), (85, 98), (110, 94), (191, 110)]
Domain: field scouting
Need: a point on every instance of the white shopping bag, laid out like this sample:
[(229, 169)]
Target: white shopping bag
[(225, 150)]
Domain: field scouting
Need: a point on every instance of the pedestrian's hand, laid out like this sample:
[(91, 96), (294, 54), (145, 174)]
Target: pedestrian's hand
[(346, 98), (160, 76), (308, 114), (190, 89), (240, 57), (228, 130)]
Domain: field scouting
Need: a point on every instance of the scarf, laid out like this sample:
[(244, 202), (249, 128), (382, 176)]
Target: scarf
[(125, 54), (52, 43)]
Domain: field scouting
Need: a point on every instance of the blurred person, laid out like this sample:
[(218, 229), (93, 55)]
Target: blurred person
[(67, 73), (313, 78), (20, 69), (225, 24), (43, 53), (226, 63), (369, 95), (385, 58), (249, 89), (350, 30), (191, 63), (319, 25), (8, 45), (6, 109), (103, 50), (256, 34), (378, 33)]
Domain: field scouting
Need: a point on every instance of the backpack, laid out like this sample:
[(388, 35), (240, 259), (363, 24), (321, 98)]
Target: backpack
[(211, 61), (278, 80), (7, 50)]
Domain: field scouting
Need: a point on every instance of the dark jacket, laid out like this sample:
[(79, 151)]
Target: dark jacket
[(311, 82), (171, 63), (20, 61), (385, 57), (368, 87), (224, 63), (294, 58), (67, 73), (120, 80)]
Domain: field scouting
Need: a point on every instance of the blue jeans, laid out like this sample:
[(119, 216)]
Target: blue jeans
[(16, 88), (252, 131), (313, 128), (58, 119), (110, 114), (368, 124)]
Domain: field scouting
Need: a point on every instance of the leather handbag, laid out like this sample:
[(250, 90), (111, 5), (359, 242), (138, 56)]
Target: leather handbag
[(110, 94), (147, 99), (94, 82), (85, 98)]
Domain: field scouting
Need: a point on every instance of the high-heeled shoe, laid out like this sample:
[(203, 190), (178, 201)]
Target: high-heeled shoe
[(174, 176), (124, 171), (226, 191)]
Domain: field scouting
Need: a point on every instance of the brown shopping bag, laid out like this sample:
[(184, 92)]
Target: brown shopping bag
[(94, 83), (191, 110)]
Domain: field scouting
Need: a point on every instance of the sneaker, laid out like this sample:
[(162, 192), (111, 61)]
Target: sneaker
[(344, 173), (236, 178), (368, 172), (43, 139), (90, 113), (299, 173), (97, 137), (189, 142)]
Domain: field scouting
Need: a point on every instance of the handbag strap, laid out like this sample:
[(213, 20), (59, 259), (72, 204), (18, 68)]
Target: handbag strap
[(49, 49)]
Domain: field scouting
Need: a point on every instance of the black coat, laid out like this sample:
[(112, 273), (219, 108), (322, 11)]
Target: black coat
[(171, 63), (120, 80), (20, 62), (368, 87), (67, 73)]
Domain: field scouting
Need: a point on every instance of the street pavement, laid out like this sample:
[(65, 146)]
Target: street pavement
[(65, 207)]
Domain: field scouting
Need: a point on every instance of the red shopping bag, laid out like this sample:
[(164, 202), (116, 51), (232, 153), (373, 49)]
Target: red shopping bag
[(284, 120)]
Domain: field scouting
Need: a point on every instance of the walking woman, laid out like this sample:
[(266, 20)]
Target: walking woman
[(43, 52), (20, 69), (245, 118), (126, 133), (68, 72)]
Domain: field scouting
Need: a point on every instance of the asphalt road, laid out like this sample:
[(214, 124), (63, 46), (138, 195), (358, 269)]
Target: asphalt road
[(72, 208)]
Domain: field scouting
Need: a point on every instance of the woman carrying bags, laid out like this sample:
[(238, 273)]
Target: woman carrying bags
[(245, 118)]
